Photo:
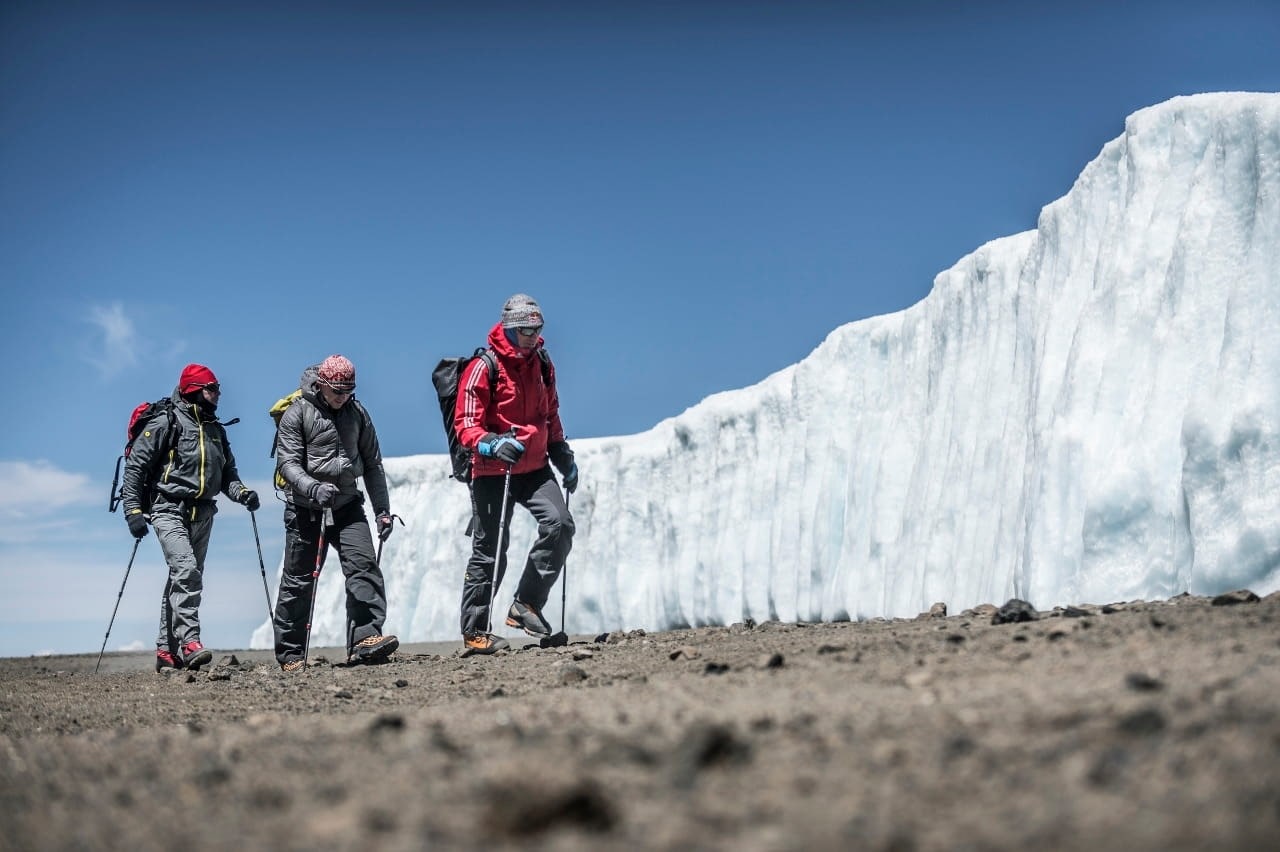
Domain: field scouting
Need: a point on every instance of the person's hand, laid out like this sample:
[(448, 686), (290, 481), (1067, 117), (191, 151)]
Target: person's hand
[(502, 447), (385, 525), (137, 524), (562, 457), (324, 493), (249, 498)]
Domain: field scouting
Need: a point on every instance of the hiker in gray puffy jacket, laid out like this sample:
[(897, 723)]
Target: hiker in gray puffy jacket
[(175, 470), (325, 443)]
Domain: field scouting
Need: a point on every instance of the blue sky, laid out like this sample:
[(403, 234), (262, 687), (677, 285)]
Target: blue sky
[(697, 193)]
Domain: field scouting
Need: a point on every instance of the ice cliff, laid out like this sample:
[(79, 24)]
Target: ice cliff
[(1086, 412)]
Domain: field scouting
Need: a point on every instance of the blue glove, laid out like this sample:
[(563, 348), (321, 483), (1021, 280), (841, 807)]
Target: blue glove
[(502, 447), (571, 478)]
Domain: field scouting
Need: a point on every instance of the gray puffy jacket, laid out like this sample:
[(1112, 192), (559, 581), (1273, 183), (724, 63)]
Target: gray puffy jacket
[(318, 444)]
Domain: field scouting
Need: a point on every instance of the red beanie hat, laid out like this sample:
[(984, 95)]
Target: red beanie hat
[(194, 377), (337, 372)]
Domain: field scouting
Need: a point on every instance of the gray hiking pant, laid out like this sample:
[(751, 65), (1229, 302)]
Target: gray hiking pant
[(183, 531), (366, 595), (538, 492)]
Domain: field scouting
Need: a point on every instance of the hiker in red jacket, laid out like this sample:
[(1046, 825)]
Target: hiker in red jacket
[(513, 428)]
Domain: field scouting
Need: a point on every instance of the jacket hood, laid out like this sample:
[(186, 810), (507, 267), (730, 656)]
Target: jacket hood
[(498, 343)]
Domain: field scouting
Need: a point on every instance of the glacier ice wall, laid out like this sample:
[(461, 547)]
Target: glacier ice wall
[(1086, 412)]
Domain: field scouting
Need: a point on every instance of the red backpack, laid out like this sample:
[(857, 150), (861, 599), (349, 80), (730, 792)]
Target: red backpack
[(138, 420)]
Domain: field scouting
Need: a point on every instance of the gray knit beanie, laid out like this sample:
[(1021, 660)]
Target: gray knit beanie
[(521, 311)]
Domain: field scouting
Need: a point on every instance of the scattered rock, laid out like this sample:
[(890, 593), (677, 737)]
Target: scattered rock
[(1015, 611), (1240, 596), (938, 610), (387, 722), (715, 668), (1143, 722), (1140, 682), (772, 661), (571, 673), (704, 746), (523, 811), (582, 654), (686, 652)]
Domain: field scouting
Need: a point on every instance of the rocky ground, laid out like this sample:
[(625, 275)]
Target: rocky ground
[(1132, 726)]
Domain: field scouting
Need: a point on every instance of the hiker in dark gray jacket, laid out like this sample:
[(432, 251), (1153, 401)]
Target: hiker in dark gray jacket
[(326, 442), (173, 480)]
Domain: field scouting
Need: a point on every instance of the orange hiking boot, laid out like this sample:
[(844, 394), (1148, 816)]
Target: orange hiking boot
[(482, 643)]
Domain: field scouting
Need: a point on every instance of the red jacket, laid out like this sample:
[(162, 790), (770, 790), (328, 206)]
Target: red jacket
[(520, 400)]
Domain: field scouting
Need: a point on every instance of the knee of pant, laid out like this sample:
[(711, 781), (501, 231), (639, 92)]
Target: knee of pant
[(560, 528)]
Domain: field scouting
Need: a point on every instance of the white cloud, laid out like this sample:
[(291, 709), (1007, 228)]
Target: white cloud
[(27, 487), (119, 339)]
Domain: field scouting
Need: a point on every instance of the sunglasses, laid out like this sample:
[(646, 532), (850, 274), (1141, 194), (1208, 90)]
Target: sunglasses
[(530, 330), (340, 390), (212, 387)]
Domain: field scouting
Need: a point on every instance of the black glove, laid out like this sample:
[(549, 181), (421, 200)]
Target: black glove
[(502, 447), (324, 493), (385, 525), (249, 498), (137, 524), (562, 457)]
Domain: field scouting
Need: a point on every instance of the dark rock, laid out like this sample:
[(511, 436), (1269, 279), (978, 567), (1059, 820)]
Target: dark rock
[(1140, 682), (1015, 611), (387, 722), (1074, 612), (705, 746), (1143, 722), (601, 639), (715, 668), (772, 661), (1239, 596), (570, 673), (517, 814)]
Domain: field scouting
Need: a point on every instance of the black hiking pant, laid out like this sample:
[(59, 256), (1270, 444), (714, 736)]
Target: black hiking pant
[(538, 492), (366, 596)]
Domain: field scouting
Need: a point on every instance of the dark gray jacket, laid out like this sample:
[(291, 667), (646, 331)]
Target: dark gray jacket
[(318, 444), (191, 469)]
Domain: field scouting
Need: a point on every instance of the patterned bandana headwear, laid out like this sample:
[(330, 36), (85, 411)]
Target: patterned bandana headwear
[(194, 377), (521, 311), (337, 372)]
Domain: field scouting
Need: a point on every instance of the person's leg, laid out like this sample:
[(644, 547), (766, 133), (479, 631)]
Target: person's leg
[(179, 622), (366, 591), (293, 600), (486, 505), (542, 496)]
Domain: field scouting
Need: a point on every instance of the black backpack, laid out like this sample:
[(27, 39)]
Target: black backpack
[(143, 415), (446, 376)]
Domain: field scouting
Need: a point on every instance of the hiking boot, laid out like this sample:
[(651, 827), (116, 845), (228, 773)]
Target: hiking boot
[(527, 619), (166, 660), (293, 666), (194, 655), (373, 649), (482, 643)]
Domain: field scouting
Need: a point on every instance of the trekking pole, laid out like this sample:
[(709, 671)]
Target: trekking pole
[(326, 520), (136, 542), (497, 554), (262, 566), (564, 574)]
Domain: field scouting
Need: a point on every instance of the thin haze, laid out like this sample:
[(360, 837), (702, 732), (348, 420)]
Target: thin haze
[(697, 194)]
